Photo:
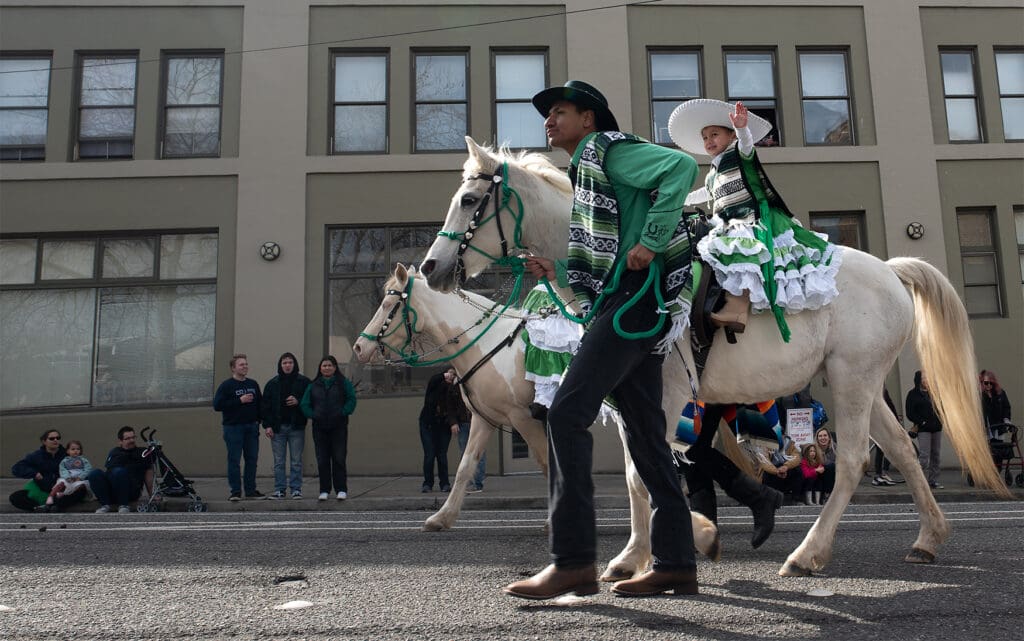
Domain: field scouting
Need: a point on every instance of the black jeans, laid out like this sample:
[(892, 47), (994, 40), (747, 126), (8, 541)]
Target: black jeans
[(331, 450), (436, 437), (609, 364)]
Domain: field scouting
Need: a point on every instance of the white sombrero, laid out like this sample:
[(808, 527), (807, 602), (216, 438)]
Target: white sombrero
[(689, 118)]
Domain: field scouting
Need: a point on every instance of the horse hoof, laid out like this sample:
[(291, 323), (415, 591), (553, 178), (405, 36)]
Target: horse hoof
[(792, 569), (714, 551), (917, 555), (612, 575), (432, 526)]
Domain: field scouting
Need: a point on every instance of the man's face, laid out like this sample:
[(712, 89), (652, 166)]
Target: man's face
[(240, 368), (449, 376), (566, 125), (287, 365), (128, 441)]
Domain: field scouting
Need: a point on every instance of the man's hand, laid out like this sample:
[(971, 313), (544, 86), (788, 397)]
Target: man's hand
[(246, 398), (270, 432), (739, 117), (639, 257), (541, 267), (291, 401), (455, 429), (782, 472)]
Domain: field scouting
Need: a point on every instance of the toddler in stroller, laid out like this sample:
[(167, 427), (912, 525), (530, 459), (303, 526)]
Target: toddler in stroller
[(168, 481)]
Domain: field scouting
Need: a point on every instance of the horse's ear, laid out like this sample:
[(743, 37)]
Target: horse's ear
[(476, 152), (401, 273)]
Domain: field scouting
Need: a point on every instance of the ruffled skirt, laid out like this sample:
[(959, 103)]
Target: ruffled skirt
[(550, 343), (805, 276)]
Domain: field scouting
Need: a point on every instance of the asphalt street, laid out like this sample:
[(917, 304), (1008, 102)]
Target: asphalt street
[(376, 575)]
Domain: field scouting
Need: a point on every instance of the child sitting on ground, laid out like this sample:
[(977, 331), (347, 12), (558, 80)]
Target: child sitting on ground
[(812, 467), (73, 469)]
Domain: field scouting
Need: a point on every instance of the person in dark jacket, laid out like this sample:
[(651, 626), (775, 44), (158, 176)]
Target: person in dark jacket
[(127, 471), (435, 436), (329, 400), (42, 468), (995, 409), (238, 399), (927, 428), (285, 424), (458, 420)]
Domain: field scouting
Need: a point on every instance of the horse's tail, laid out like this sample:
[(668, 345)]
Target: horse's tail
[(944, 344), (736, 454)]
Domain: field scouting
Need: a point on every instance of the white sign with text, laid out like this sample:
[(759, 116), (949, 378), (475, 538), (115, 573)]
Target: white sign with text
[(800, 425)]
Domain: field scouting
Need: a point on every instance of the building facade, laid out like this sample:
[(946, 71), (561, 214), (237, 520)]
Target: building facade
[(151, 151)]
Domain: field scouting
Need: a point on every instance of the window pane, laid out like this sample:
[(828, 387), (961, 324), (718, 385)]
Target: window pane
[(26, 126), (823, 74), (1018, 219), (958, 74), (982, 300), (979, 270), (975, 229), (675, 75), (360, 79), (193, 81), (519, 125), (1010, 69), (827, 122), (24, 82), (155, 344), (662, 111), (46, 339), (409, 245), (107, 123), (750, 75), (844, 229), (65, 259), (192, 131), (358, 250), (360, 128), (962, 119), (441, 77), (128, 258), (518, 76), (440, 127), (18, 261), (188, 256), (108, 81), (1013, 118)]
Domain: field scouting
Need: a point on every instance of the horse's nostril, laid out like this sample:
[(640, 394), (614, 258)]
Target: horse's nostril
[(428, 266)]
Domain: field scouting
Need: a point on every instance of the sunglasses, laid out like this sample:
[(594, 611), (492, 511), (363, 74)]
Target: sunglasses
[(52, 438), (987, 383)]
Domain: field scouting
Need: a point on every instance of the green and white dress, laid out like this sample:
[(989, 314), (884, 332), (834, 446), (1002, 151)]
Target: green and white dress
[(551, 340), (756, 236)]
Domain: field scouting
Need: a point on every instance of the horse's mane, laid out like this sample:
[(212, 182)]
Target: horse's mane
[(530, 161)]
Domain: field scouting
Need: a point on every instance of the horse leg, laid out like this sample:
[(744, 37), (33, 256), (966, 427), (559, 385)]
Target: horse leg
[(893, 440), (445, 518), (636, 556), (853, 403)]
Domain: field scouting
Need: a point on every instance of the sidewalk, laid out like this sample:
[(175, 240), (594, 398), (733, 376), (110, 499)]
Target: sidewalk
[(518, 492)]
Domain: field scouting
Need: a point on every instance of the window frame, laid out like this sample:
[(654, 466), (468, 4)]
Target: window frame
[(165, 59), (414, 54), (979, 114), (848, 98), (696, 50), (983, 251), (1019, 210), (332, 104), (777, 98), (995, 60), (32, 55), (80, 58), (98, 283), (859, 215), (506, 51)]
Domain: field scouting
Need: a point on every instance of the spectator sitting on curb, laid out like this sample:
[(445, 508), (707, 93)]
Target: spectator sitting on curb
[(126, 472), (42, 469)]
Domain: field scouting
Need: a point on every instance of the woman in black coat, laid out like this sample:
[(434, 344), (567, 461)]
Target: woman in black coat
[(42, 469)]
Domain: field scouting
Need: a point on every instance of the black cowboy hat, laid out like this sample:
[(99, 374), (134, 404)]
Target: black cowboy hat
[(582, 95)]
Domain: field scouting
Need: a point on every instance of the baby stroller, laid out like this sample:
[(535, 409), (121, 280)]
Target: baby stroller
[(1005, 446), (167, 480)]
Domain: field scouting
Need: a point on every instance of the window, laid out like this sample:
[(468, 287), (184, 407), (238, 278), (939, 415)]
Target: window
[(825, 98), (750, 78), (192, 105), (1010, 70), (442, 105), (979, 260), (106, 107), (517, 77), (842, 228), (107, 320), (360, 106), (1018, 221), (24, 101), (961, 96), (675, 78)]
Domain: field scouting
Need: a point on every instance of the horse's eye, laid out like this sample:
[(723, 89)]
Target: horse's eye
[(468, 200)]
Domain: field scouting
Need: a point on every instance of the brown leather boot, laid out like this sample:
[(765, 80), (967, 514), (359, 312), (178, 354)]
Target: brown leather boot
[(656, 582), (733, 314), (553, 581)]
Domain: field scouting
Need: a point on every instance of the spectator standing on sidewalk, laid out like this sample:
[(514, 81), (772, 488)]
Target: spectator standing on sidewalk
[(285, 424), (329, 400), (238, 400), (435, 436), (457, 418), (927, 428), (882, 477), (127, 471)]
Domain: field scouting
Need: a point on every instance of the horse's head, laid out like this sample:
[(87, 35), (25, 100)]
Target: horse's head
[(391, 329)]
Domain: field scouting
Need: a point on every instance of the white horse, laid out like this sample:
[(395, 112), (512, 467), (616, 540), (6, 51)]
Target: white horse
[(498, 392), (854, 342)]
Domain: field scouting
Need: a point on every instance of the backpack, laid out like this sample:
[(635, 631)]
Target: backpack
[(820, 416)]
